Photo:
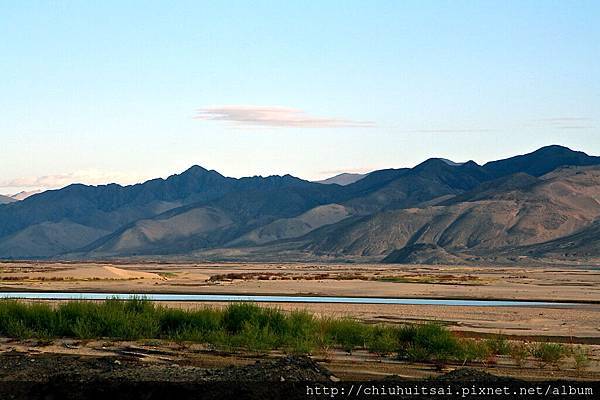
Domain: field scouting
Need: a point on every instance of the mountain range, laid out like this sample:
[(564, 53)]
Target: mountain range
[(537, 205)]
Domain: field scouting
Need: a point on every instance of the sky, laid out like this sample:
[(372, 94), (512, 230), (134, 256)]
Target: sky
[(113, 91)]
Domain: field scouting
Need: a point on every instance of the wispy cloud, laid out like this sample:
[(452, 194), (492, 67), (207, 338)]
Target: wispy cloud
[(274, 116), (89, 177), (565, 122), (448, 130)]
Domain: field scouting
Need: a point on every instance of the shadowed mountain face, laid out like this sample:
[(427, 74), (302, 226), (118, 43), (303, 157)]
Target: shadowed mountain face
[(438, 210), (520, 211), (540, 162)]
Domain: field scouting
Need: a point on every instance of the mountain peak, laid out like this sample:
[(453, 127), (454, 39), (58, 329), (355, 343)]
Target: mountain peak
[(195, 169), (540, 161), (556, 149)]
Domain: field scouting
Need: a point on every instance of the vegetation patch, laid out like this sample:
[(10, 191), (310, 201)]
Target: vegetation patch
[(253, 328), (347, 276)]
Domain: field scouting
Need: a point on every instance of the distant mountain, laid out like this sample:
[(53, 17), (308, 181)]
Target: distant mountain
[(342, 179), (257, 202), (510, 212), (6, 199), (432, 179), (537, 204), (99, 210), (23, 195), (540, 162)]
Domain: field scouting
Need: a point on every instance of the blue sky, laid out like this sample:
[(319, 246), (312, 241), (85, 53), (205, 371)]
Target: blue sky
[(124, 92)]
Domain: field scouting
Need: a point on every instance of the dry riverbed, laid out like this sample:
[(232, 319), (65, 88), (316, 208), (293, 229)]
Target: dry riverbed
[(569, 284)]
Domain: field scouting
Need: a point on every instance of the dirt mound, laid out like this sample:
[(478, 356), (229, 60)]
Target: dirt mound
[(291, 368), (460, 376), (55, 376), (47, 367), (464, 375)]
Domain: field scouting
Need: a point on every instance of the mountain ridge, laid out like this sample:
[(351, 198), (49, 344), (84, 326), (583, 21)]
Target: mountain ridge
[(438, 208)]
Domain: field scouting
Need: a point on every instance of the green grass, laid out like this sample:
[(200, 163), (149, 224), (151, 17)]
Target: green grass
[(428, 342), (499, 345), (550, 353), (253, 328), (581, 357), (519, 352)]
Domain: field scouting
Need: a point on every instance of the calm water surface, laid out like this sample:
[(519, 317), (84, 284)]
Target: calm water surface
[(276, 299)]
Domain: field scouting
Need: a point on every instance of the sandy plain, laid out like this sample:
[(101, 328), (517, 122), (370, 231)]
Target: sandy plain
[(562, 322)]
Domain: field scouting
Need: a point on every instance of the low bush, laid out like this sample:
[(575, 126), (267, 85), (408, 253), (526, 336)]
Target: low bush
[(347, 333), (254, 328), (550, 353), (428, 342), (383, 340), (519, 352), (498, 345), (475, 350), (581, 357)]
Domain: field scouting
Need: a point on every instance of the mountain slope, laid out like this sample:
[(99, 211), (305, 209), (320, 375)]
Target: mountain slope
[(263, 201), (431, 179), (287, 228), (105, 208), (48, 238), (271, 214), (583, 243), (160, 235), (556, 205)]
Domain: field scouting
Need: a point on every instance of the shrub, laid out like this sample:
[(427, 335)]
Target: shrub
[(383, 340), (248, 326), (302, 335), (474, 350), (498, 345), (429, 342), (550, 353), (519, 352), (581, 357), (349, 334), (236, 315)]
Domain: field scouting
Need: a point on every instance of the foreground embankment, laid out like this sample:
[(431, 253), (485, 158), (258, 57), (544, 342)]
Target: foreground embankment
[(245, 327)]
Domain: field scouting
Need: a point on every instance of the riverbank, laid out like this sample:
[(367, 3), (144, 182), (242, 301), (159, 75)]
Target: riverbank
[(580, 324), (565, 283)]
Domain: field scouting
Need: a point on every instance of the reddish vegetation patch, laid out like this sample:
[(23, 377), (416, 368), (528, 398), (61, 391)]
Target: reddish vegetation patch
[(272, 276)]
